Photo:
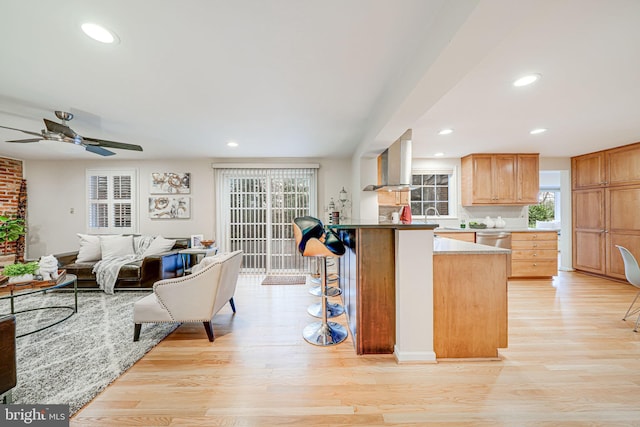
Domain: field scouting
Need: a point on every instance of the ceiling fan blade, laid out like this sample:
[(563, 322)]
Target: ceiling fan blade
[(113, 144), (59, 128), (26, 140), (98, 150), (24, 131)]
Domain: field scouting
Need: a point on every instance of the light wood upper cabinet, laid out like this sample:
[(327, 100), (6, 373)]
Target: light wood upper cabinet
[(393, 198), (623, 165), (588, 171), (528, 178), (499, 179)]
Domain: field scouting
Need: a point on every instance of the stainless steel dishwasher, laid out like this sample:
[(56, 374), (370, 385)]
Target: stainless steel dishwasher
[(500, 239)]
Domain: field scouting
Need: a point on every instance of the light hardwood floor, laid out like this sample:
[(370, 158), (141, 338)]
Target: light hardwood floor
[(571, 361)]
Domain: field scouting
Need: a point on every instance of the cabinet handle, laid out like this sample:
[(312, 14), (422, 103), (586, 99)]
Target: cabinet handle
[(535, 254), (535, 245), (535, 265)]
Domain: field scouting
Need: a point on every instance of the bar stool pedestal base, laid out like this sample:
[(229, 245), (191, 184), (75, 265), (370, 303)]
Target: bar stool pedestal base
[(324, 334)]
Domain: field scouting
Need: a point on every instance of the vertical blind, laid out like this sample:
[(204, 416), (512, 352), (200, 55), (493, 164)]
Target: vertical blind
[(254, 212)]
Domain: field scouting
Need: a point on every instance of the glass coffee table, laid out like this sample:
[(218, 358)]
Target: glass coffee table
[(16, 290)]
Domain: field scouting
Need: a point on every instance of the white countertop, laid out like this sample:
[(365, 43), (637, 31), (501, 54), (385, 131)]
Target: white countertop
[(442, 245), (494, 230)]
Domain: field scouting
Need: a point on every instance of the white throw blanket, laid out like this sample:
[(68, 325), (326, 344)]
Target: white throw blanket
[(107, 269)]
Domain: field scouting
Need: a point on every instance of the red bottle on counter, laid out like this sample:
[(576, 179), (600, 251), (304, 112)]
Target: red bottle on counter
[(405, 217)]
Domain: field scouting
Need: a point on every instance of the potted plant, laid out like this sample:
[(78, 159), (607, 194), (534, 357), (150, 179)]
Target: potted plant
[(11, 228), (20, 272)]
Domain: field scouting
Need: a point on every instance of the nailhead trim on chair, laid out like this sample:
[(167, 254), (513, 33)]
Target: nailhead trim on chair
[(182, 279)]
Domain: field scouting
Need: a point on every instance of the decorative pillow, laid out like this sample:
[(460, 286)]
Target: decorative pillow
[(205, 262), (158, 246), (89, 248), (116, 246)]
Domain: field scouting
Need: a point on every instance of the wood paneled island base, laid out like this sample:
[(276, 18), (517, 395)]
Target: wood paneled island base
[(469, 305)]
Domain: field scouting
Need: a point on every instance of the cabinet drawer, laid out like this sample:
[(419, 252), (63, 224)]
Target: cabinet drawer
[(534, 244), (534, 254), (527, 268), (534, 236)]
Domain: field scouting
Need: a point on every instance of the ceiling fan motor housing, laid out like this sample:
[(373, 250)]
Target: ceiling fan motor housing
[(64, 116)]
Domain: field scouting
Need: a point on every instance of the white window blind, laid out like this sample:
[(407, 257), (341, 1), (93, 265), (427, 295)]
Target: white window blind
[(112, 201), (255, 210)]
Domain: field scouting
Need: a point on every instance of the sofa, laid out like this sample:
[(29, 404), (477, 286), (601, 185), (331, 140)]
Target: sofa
[(142, 273)]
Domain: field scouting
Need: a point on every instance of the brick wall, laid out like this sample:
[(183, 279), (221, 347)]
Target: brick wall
[(10, 180)]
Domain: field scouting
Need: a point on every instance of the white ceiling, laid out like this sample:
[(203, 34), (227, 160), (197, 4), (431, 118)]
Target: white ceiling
[(294, 78)]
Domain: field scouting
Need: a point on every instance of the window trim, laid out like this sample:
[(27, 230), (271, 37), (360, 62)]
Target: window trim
[(135, 201)]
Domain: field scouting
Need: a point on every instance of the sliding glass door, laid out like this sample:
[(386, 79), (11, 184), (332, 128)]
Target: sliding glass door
[(255, 209)]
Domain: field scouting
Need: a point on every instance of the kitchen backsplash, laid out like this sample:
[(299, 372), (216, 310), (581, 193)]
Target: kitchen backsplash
[(514, 216)]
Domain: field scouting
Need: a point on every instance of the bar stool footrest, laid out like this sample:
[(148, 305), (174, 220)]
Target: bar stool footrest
[(333, 310), (332, 291)]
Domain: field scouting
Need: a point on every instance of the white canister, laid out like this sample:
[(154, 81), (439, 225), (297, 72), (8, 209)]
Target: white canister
[(395, 217), (489, 222)]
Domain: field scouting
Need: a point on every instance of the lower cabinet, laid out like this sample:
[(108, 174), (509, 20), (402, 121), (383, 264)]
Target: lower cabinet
[(534, 254), (470, 305)]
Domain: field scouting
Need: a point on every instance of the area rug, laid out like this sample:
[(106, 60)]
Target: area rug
[(73, 361), (284, 280)]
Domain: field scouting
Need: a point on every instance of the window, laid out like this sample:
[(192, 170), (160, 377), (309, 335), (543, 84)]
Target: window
[(111, 201), (434, 193), (548, 207)]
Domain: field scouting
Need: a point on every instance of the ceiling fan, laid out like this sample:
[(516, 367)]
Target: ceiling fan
[(63, 133)]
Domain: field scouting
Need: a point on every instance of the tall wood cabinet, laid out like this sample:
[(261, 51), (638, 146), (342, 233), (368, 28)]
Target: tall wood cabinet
[(500, 179), (606, 200)]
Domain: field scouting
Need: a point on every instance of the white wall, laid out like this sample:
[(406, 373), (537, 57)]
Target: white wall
[(55, 188)]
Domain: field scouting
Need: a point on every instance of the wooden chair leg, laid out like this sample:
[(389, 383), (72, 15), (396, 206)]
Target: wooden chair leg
[(233, 304), (136, 331), (209, 328)]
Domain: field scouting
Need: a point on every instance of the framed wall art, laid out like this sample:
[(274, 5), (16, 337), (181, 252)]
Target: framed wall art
[(196, 240), (170, 183), (169, 207)]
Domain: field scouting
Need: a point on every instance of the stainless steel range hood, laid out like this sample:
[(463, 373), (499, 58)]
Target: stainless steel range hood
[(394, 168)]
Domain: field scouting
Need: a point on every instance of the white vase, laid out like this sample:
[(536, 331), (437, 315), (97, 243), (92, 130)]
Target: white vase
[(500, 223), (489, 222)]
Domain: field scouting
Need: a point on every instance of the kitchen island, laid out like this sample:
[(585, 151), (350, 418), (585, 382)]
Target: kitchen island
[(389, 288)]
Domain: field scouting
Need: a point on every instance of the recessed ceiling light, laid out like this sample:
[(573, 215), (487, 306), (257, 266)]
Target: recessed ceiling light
[(98, 33), (537, 131), (232, 144), (445, 131), (438, 154), (526, 80)]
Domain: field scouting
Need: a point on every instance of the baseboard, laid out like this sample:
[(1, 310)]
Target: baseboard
[(414, 356)]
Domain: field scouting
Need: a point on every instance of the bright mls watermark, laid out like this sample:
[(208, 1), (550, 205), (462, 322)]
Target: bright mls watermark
[(34, 415)]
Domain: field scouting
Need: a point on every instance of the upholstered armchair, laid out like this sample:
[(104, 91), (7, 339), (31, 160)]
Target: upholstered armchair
[(193, 298)]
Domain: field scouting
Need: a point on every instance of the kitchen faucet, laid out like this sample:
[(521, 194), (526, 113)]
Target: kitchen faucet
[(426, 213)]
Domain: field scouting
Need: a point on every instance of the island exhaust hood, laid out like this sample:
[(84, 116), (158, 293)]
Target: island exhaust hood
[(394, 168)]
